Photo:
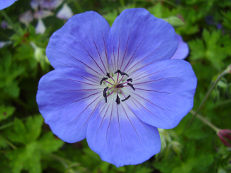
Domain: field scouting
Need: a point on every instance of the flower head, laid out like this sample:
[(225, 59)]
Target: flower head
[(6, 3), (116, 85), (225, 136)]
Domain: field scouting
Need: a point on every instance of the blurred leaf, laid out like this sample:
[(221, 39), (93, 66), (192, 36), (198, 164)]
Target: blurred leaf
[(27, 158), (48, 143), (174, 21), (3, 142), (28, 132), (9, 71), (6, 112)]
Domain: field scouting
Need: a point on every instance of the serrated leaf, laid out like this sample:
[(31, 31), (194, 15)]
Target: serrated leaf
[(33, 126), (197, 49), (27, 158), (48, 143), (16, 134), (28, 132)]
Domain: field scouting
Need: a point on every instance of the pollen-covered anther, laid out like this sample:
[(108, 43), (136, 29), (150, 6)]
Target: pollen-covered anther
[(121, 73), (103, 79)]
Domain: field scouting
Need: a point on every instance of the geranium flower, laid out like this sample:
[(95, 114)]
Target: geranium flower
[(116, 85), (6, 3)]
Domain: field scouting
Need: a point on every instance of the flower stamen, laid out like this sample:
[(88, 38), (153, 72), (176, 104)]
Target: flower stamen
[(126, 98), (117, 99), (121, 73), (115, 84), (103, 79), (105, 94), (129, 84)]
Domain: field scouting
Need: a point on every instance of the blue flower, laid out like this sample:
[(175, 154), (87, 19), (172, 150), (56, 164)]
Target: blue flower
[(116, 85), (6, 3)]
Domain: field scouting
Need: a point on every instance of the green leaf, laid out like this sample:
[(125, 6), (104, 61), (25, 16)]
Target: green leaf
[(33, 126), (160, 11), (28, 132), (174, 21), (27, 158), (9, 71), (6, 112), (48, 143), (3, 142)]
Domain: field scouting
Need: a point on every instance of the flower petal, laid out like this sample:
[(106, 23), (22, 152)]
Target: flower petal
[(66, 102), (80, 42), (120, 138), (136, 35), (40, 28), (164, 92), (182, 49), (6, 3), (65, 12)]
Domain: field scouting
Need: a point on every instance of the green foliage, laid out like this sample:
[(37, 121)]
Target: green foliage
[(28, 145), (30, 148), (212, 46)]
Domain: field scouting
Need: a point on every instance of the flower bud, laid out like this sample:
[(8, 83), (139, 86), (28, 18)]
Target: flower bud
[(225, 136)]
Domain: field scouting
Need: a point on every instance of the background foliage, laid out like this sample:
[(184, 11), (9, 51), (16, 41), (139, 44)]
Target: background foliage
[(26, 143)]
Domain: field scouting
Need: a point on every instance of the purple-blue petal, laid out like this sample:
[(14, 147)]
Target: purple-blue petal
[(165, 95), (6, 3), (182, 49), (138, 35), (120, 138), (81, 41), (66, 101)]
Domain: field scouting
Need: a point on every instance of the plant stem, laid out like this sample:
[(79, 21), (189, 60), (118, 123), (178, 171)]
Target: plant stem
[(10, 144), (60, 159), (210, 90), (207, 95), (6, 125), (205, 121)]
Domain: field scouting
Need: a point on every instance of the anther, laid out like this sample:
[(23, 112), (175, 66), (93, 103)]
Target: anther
[(126, 98), (129, 80), (129, 84), (108, 75), (103, 79), (121, 73), (105, 94), (117, 99)]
